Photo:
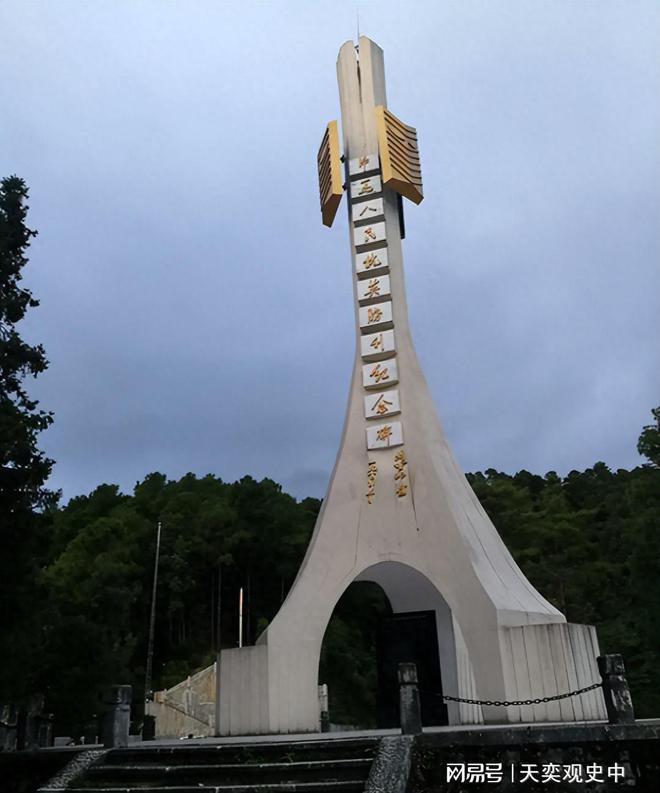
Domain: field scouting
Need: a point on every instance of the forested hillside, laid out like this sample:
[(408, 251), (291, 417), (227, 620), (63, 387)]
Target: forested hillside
[(589, 541)]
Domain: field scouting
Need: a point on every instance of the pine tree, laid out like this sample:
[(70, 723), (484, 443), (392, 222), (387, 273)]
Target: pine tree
[(23, 468), (649, 441)]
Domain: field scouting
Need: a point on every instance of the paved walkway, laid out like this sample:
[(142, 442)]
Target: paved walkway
[(348, 734)]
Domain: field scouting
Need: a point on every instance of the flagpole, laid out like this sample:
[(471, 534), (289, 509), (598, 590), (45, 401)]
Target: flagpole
[(218, 646), (152, 623), (240, 617)]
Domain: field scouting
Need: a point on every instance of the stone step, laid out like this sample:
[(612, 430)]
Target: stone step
[(308, 766), (243, 753), (347, 786), (230, 773)]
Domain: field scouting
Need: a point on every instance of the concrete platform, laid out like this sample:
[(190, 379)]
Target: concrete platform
[(467, 734)]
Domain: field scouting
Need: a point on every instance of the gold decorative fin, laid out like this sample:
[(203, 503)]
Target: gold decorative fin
[(330, 187), (399, 155)]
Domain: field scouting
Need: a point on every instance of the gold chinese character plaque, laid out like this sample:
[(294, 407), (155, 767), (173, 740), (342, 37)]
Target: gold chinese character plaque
[(372, 471)]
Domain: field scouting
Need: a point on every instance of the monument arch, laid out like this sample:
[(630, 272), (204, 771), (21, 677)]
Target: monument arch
[(398, 510)]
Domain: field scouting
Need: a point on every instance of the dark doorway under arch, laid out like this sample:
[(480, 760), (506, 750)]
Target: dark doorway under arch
[(362, 647), (410, 637), (349, 655)]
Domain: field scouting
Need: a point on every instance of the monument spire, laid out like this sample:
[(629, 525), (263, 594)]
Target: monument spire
[(399, 511)]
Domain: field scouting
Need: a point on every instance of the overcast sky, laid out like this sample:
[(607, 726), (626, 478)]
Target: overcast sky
[(198, 317)]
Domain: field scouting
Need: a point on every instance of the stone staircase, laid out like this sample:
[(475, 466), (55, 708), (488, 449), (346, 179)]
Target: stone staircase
[(323, 766)]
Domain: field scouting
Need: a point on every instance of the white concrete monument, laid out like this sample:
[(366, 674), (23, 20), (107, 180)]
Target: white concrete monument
[(399, 510)]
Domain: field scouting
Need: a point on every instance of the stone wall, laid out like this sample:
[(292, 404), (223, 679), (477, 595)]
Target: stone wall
[(548, 751), (187, 708)]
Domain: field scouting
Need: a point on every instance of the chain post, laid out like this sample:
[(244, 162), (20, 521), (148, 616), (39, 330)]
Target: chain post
[(618, 701), (410, 710)]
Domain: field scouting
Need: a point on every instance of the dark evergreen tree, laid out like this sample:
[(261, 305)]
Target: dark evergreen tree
[(23, 468), (649, 441)]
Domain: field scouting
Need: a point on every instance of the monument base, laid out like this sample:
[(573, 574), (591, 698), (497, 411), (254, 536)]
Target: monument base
[(540, 661)]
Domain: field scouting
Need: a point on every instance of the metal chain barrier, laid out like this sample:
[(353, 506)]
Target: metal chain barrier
[(497, 703)]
